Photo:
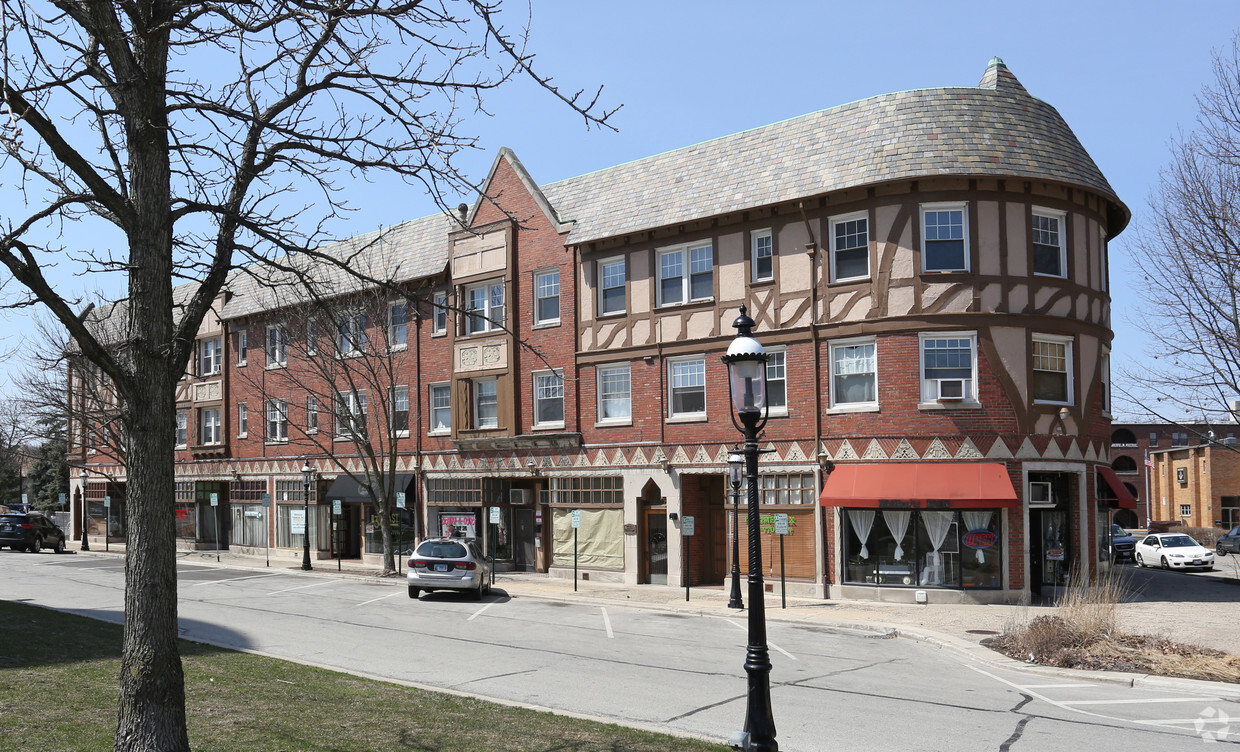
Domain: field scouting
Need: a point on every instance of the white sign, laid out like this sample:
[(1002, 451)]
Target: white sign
[(781, 524), (400, 499), (336, 507), (297, 521), (576, 518), (253, 513), (24, 498), (107, 501), (686, 525), (494, 515), (215, 499)]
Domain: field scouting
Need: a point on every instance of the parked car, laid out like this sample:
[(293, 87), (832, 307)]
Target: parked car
[(1122, 544), (1228, 543), (1173, 551), (30, 531), (449, 564)]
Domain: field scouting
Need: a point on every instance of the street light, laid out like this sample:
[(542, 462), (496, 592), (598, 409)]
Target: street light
[(734, 476), (746, 361), (85, 513), (307, 477)]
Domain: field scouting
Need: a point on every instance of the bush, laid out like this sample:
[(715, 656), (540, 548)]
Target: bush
[(1206, 536)]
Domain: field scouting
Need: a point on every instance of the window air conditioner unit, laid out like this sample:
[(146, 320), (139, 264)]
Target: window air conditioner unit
[(519, 496), (1040, 493), (949, 390)]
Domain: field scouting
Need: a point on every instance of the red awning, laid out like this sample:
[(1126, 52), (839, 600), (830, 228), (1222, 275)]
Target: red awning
[(920, 485), (1125, 497)]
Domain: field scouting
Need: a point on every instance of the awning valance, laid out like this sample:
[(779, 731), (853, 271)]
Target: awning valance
[(1123, 496), (920, 485), (350, 491)]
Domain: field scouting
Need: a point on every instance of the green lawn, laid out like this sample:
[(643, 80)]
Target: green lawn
[(58, 692)]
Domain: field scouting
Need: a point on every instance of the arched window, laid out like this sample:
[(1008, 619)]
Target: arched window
[(1122, 436), (1123, 464)]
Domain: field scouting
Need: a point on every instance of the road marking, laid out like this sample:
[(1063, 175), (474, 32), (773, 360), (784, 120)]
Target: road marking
[(303, 587), (1141, 702), (382, 597), (478, 613), (607, 623), (234, 579), (768, 642), (1059, 686)]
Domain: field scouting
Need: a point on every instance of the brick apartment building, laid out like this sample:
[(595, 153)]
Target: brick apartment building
[(1132, 444), (927, 269)]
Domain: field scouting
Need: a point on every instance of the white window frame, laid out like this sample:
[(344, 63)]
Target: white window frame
[(1105, 376), (1069, 380), (778, 360), (312, 414), (434, 410), (756, 254), (547, 387), (243, 420), (963, 208), (492, 383), (351, 332), (834, 405), (397, 332), (243, 346), (276, 346), (275, 430), (540, 295), (843, 219), (395, 395), (312, 337), (485, 317), (1061, 219), (210, 356), (929, 398), (600, 375), (696, 415), (182, 436), (603, 265), (354, 403), (211, 430), (684, 254), (439, 313)]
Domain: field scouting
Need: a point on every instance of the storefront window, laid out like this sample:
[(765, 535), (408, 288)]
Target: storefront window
[(249, 525), (319, 525), (404, 534), (926, 548)]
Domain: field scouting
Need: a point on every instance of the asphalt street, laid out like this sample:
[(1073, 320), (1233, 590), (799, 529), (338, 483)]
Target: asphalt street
[(670, 671)]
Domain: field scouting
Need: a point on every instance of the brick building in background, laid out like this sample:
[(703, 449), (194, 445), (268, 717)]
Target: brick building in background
[(927, 269)]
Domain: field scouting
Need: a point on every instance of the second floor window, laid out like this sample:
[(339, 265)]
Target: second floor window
[(948, 368), (944, 244), (1048, 248), (484, 307), (547, 297), (777, 381), (182, 428), (854, 374), (688, 387), (486, 403), (243, 346), (277, 420), (850, 247), (312, 414), (400, 410), (439, 313), (277, 345), (1052, 369), (548, 398), (351, 335), (398, 326), (686, 274), (441, 408), (209, 357), (615, 400), (350, 414), (762, 251), (611, 279), (209, 426), (243, 419)]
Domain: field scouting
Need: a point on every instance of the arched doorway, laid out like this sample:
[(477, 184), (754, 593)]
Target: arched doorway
[(652, 535)]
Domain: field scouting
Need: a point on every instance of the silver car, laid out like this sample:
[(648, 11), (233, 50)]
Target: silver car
[(449, 564)]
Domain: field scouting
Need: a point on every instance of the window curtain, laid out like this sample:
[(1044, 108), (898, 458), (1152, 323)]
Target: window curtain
[(937, 524), (977, 520), (897, 523), (862, 520)]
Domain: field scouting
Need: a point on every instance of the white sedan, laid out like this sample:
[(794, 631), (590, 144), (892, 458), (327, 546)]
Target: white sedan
[(1173, 551)]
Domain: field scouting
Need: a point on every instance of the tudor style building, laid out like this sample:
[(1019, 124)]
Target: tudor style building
[(927, 269)]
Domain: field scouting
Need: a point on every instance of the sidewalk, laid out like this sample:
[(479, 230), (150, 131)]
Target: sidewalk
[(959, 627)]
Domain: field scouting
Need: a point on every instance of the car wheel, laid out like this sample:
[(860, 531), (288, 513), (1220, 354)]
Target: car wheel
[(414, 592), (476, 593), (36, 545), (1165, 565), (1218, 549), (1140, 561), (59, 548)]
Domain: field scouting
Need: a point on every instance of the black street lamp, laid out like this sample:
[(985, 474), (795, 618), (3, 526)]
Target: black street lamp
[(85, 513), (307, 477), (735, 461), (746, 361)]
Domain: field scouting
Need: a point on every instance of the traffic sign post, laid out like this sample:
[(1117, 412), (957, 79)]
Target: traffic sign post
[(686, 532), (215, 507), (576, 524), (107, 521), (267, 524), (400, 529), (337, 508), (781, 529), (494, 519)]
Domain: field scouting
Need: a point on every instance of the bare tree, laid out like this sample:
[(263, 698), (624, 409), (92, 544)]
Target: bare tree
[(1188, 251), (202, 135)]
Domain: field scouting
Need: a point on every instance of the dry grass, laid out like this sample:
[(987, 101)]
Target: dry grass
[(1206, 536)]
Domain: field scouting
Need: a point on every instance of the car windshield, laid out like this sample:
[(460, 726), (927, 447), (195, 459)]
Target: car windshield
[(1118, 531), (1178, 541), (441, 550)]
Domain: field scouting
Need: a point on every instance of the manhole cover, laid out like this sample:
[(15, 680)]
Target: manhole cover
[(981, 631)]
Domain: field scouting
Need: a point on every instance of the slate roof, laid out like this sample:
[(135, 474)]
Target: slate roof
[(994, 129)]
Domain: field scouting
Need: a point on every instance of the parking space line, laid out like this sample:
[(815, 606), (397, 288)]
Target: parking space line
[(607, 624), (380, 598), (770, 644), (302, 587), (1140, 702), (1061, 686), (234, 579), (478, 613)]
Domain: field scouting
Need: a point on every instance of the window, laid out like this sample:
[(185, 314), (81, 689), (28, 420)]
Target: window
[(209, 357), (486, 403), (777, 381), (243, 420), (587, 491), (773, 488), (677, 286), (1049, 257), (312, 414), (182, 428), (312, 337), (350, 414), (1153, 438), (923, 547), (209, 426), (549, 398), (484, 307), (547, 297), (1179, 438), (611, 278), (277, 346), (854, 374), (243, 344), (615, 401), (398, 326), (1106, 381), (1186, 510), (948, 368), (439, 313), (762, 253), (400, 410), (441, 408), (277, 420), (688, 387), (351, 336), (850, 247), (944, 246), (1052, 369)]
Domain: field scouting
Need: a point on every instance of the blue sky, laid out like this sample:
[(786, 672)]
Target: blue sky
[(1123, 75)]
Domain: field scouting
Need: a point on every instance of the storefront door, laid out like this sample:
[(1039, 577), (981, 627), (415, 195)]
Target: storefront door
[(523, 539), (1049, 536), (656, 546)]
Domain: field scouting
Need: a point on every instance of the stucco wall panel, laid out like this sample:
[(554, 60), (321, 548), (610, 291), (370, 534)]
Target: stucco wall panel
[(1017, 241), (1010, 343), (988, 250)]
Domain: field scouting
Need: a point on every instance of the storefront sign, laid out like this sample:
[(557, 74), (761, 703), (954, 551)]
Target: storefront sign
[(630, 528), (297, 521), (1054, 554), (253, 513), (457, 525), (914, 504), (979, 539)]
